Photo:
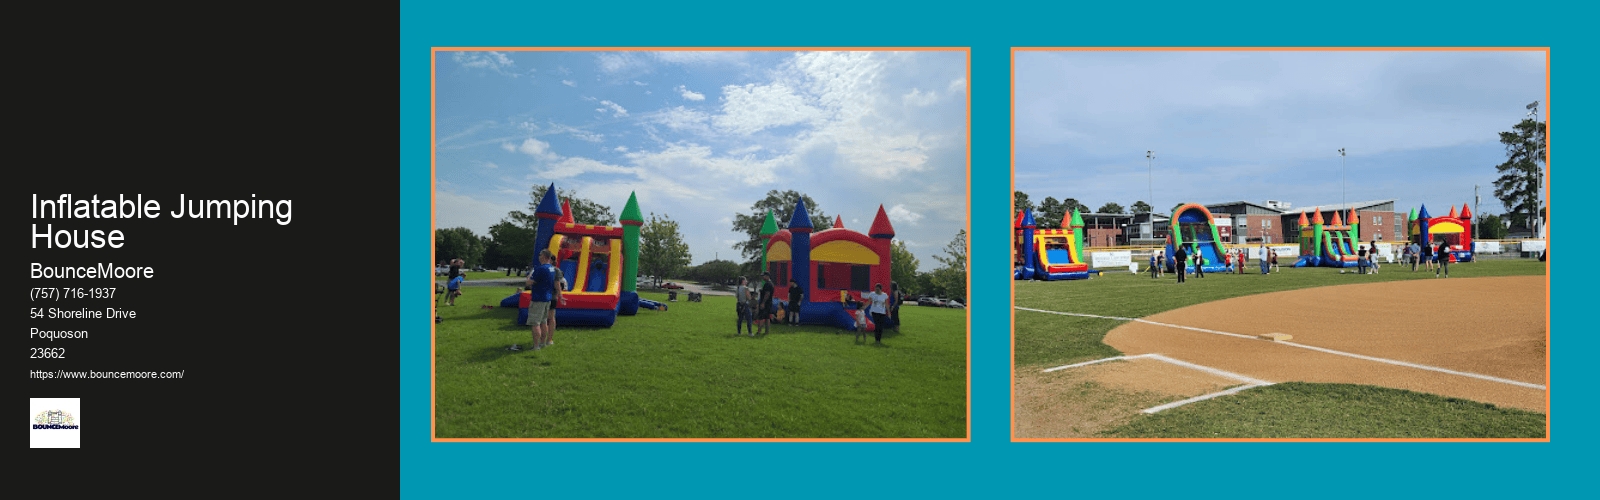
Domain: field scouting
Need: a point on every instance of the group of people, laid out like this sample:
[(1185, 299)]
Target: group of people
[(756, 312), (544, 284), (1183, 256), (1428, 256)]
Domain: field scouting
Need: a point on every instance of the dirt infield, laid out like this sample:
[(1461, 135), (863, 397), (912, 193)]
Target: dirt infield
[(1103, 395), (1487, 326)]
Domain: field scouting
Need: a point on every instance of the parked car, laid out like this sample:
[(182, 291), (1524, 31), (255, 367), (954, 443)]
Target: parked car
[(441, 271), (478, 268), (671, 286), (931, 302), (955, 304)]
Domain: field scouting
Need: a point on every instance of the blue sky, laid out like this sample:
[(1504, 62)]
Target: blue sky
[(701, 136), (1420, 127)]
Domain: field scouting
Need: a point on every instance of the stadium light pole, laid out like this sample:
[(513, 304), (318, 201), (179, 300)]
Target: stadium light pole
[(1536, 217), (1149, 161), (1341, 177)]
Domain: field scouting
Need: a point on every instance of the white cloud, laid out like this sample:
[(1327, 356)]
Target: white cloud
[(752, 108), (744, 150), (639, 83), (569, 83), (681, 118), (699, 57), (528, 126), (488, 164), (698, 161), (958, 85), (690, 94), (620, 149), (577, 132), (613, 62), (616, 110), (575, 166), (532, 147), (919, 98), (899, 213), (497, 62)]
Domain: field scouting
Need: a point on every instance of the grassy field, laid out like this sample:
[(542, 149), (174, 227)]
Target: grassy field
[(1051, 339), (1298, 410), (1302, 410), (683, 374)]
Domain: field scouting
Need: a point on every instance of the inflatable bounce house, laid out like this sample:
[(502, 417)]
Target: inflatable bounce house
[(1452, 229), (829, 265), (1048, 254), (600, 263), (1194, 229), (1329, 245)]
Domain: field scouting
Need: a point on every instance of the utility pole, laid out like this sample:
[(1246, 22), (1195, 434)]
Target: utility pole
[(1341, 177)]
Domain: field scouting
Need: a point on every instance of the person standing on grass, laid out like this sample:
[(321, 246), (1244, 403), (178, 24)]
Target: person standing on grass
[(542, 290), (1199, 260), (1182, 260), (898, 296), (880, 304), (1443, 254), (1153, 259), (796, 295), (1361, 260), (742, 295), (1374, 254), (550, 321), (764, 305), (1427, 257)]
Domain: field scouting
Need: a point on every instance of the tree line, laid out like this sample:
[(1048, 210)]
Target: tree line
[(663, 253)]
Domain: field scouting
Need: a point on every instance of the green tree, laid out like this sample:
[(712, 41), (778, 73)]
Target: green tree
[(584, 210), (716, 271), (1521, 173), (951, 277), (1050, 213), (1491, 227), (662, 251), (458, 242), (1019, 202), (902, 264), (513, 243), (781, 204), (1109, 208), (1140, 207), (1070, 204)]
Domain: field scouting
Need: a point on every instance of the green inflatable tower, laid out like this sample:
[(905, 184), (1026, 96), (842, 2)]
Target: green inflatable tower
[(631, 220), (769, 227)]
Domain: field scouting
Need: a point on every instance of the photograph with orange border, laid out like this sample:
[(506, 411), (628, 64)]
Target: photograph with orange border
[(1280, 244), (706, 244)]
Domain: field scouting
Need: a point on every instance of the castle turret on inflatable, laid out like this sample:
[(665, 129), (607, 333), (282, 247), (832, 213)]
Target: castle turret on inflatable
[(1048, 254), (1329, 245), (1194, 229), (829, 264), (600, 264), (1452, 229)]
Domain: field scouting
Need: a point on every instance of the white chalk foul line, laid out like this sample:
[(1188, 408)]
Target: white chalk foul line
[(1478, 376), (1250, 383), (1176, 404)]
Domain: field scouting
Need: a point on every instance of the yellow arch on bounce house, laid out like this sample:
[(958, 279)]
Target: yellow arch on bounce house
[(1445, 228), (779, 251), (846, 252)]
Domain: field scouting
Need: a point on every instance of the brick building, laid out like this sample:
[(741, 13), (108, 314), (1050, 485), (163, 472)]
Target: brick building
[(1242, 222)]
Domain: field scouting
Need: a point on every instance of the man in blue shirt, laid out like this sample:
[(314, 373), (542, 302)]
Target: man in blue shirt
[(542, 290)]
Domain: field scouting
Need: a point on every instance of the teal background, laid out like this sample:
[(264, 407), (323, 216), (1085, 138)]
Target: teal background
[(990, 463)]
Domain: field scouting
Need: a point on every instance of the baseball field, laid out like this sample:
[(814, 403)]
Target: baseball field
[(1307, 353)]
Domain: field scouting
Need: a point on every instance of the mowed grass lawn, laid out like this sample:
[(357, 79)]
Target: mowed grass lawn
[(683, 374), (1041, 340)]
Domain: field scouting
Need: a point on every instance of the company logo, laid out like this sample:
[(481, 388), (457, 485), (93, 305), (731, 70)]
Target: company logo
[(54, 419)]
